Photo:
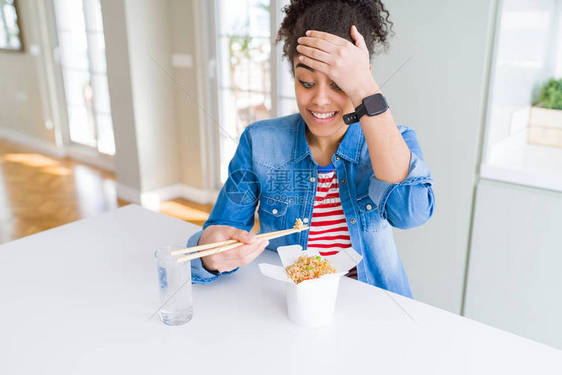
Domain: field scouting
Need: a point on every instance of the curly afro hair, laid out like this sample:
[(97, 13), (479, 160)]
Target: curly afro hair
[(335, 17)]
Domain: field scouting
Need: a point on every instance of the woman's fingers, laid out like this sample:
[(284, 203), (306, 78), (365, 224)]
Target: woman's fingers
[(314, 64), (255, 247), (254, 251), (344, 62), (323, 51), (359, 40), (315, 53), (334, 39), (318, 43), (239, 256), (241, 235), (228, 260), (236, 254)]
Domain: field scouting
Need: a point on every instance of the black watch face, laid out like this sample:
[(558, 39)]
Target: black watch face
[(375, 104)]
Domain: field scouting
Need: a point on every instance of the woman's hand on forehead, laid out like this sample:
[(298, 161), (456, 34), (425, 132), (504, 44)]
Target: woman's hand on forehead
[(345, 63)]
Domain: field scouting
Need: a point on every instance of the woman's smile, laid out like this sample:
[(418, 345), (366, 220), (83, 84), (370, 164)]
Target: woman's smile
[(320, 102), (323, 117)]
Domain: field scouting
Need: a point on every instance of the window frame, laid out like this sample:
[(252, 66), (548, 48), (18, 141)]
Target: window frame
[(276, 62), (486, 169), (21, 48)]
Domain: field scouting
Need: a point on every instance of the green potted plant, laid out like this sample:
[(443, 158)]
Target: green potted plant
[(545, 122)]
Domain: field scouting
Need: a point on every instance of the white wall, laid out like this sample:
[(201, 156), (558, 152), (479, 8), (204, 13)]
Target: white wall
[(154, 103), (185, 93), (148, 28), (119, 81), (440, 92), (158, 96), (514, 277)]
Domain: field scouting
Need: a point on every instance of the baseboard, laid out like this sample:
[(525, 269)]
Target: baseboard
[(128, 194), (90, 157), (187, 192), (151, 199), (38, 145), (49, 149), (148, 199)]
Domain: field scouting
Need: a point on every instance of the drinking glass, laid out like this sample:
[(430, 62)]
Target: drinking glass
[(174, 280)]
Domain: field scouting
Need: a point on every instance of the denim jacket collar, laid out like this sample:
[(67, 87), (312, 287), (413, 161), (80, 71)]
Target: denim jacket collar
[(349, 148)]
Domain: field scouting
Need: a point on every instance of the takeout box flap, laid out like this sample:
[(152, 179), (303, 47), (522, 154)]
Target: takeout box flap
[(275, 272), (289, 254), (343, 261)]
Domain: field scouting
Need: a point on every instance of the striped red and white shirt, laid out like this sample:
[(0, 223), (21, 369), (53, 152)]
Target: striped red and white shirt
[(328, 228)]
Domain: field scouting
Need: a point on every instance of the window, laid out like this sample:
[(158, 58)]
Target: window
[(83, 65), (10, 35), (527, 53), (253, 82)]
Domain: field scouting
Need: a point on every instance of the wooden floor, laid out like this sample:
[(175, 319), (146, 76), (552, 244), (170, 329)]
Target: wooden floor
[(39, 192)]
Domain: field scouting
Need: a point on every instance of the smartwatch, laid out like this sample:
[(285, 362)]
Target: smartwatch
[(371, 106)]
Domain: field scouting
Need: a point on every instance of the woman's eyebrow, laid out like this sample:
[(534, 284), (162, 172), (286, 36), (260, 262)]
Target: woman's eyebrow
[(300, 65)]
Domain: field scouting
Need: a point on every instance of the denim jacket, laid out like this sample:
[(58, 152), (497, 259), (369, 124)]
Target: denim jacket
[(273, 171)]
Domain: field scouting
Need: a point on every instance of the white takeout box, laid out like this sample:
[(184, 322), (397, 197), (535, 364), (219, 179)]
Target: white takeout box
[(311, 302)]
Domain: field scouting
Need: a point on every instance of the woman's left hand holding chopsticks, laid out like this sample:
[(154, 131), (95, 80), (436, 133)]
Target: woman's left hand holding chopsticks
[(233, 258)]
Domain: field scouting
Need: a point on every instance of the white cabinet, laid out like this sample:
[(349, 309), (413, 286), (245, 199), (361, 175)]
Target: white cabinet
[(515, 270)]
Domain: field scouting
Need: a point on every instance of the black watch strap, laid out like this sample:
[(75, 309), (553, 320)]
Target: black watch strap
[(350, 118), (371, 105)]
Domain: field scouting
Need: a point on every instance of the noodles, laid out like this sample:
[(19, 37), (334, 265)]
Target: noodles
[(306, 268), (300, 225)]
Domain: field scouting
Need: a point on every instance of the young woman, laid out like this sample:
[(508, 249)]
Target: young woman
[(349, 183)]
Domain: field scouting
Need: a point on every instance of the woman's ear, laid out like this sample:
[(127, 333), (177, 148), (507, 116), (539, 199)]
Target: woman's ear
[(370, 68)]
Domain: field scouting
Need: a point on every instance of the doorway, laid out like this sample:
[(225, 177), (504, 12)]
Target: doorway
[(81, 65)]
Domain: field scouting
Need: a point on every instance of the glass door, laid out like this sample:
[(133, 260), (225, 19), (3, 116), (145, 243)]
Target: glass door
[(82, 61)]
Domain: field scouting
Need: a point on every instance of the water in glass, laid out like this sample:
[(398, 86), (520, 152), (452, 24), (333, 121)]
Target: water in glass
[(174, 280)]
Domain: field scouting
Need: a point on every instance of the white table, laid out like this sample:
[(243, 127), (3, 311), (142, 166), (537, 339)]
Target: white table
[(76, 300)]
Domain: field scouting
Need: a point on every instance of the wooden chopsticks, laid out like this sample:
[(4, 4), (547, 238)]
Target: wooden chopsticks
[(218, 247)]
